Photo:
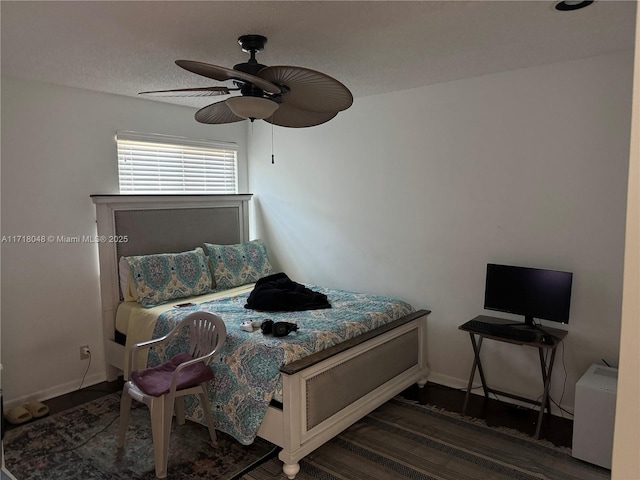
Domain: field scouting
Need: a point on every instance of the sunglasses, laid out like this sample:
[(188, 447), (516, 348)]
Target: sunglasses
[(278, 329)]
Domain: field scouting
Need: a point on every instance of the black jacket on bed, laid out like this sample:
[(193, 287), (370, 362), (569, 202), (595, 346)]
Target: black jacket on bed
[(278, 293)]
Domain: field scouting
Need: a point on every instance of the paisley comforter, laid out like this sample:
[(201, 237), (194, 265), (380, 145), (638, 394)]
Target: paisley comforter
[(247, 371)]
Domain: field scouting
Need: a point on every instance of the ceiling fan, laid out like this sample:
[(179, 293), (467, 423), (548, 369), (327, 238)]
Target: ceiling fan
[(281, 95)]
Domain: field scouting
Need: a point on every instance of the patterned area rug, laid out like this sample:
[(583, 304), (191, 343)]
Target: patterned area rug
[(400, 440), (404, 440), (81, 444)]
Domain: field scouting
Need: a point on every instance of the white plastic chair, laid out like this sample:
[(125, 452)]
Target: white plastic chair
[(183, 375)]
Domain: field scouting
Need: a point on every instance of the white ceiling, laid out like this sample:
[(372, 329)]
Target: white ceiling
[(371, 46)]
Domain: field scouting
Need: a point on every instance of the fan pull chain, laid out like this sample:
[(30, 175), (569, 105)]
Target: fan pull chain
[(272, 157)]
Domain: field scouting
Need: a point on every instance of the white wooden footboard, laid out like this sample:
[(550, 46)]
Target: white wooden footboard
[(327, 392)]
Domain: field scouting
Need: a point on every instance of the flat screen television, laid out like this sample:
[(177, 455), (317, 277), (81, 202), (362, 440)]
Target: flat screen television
[(532, 292)]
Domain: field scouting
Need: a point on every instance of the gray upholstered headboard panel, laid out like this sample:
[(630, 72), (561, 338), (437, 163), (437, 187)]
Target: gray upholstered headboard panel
[(175, 230), (149, 224)]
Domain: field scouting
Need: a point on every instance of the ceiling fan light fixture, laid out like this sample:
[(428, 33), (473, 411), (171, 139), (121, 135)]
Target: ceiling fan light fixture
[(252, 107)]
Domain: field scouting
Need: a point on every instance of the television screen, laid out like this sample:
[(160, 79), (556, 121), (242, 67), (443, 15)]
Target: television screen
[(532, 292)]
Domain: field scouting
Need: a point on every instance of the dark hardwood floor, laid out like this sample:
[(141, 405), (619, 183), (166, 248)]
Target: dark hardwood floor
[(78, 397), (497, 414), (84, 395)]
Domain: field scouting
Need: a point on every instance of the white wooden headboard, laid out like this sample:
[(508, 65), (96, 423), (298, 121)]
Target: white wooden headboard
[(148, 224)]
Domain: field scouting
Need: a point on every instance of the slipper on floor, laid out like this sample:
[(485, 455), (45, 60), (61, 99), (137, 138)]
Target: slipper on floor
[(36, 409), (18, 415)]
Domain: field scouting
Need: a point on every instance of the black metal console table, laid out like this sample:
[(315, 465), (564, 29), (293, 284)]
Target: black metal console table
[(547, 339)]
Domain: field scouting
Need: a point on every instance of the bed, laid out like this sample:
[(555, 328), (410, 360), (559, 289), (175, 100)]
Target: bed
[(318, 394)]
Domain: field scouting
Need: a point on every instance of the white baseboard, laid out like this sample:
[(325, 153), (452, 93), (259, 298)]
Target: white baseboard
[(457, 383), (56, 391), (447, 381)]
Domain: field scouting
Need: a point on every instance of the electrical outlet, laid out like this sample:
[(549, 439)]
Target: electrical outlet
[(84, 352)]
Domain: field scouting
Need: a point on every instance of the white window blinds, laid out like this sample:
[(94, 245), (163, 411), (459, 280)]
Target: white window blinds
[(151, 163)]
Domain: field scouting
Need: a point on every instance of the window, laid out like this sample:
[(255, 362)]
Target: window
[(151, 163)]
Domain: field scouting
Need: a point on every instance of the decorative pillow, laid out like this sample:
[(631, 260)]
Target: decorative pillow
[(236, 265), (163, 277)]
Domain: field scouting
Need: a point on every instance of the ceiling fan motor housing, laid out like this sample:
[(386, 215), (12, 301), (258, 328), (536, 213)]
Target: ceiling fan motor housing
[(251, 44), (252, 68)]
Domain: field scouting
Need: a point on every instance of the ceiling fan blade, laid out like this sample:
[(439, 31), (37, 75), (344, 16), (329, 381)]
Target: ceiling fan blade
[(309, 90), (222, 74), (288, 116), (188, 92), (217, 113)]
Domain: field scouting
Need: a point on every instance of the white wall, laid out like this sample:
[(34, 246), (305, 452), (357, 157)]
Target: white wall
[(412, 193), (58, 148)]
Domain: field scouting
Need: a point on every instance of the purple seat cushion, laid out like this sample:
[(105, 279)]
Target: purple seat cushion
[(156, 381)]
